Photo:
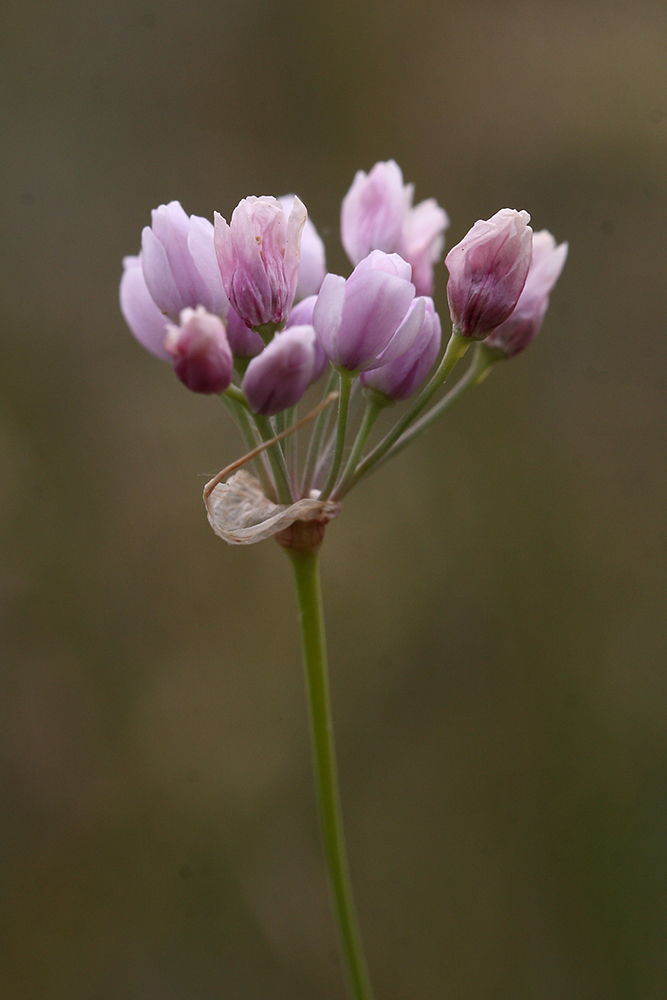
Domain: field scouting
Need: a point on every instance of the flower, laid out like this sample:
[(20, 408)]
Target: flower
[(200, 351), (179, 263), (244, 342), (278, 377), (488, 270), (525, 322), (424, 241), (361, 322), (377, 214), (302, 315), (312, 266), (258, 255), (399, 378), (145, 320)]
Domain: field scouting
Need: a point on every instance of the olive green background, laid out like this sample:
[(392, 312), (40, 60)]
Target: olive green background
[(495, 597)]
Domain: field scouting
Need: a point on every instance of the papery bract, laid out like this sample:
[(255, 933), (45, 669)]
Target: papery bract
[(278, 377), (488, 270), (179, 262), (313, 265), (355, 320), (145, 320), (259, 255), (377, 214), (525, 321), (200, 351), (401, 377)]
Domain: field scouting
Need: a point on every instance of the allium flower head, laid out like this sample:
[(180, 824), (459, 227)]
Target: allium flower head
[(525, 322), (360, 322), (200, 352), (259, 254), (488, 270), (377, 214), (179, 263)]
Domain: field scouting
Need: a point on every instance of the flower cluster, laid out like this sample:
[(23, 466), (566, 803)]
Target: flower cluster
[(246, 309)]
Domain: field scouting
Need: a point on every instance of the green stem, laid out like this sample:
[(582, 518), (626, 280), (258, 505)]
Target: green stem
[(306, 574), (241, 413), (319, 429), (455, 350), (345, 385), (371, 413), (477, 371), (276, 457)]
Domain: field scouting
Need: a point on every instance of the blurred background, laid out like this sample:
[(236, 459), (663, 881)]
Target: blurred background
[(495, 596)]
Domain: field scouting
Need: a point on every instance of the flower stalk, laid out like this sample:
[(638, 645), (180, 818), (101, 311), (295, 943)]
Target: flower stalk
[(247, 311), (305, 564), (454, 351)]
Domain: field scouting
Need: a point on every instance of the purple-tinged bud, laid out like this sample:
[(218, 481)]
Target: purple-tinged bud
[(355, 320), (302, 315), (145, 320), (200, 351), (488, 270), (377, 214), (313, 265), (525, 322), (278, 377), (424, 241), (373, 210), (179, 262), (259, 255), (244, 342), (401, 377)]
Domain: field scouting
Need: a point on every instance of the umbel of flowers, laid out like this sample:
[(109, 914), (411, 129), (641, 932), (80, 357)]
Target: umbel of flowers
[(246, 310)]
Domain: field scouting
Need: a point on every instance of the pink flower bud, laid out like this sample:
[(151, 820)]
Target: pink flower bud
[(278, 377), (524, 323), (259, 255), (302, 315), (313, 265), (179, 262), (401, 377), (145, 320), (488, 270), (244, 342), (373, 211), (200, 352), (377, 214), (356, 319), (424, 241)]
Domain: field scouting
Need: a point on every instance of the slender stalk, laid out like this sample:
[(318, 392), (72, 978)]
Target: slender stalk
[(306, 573), (276, 457), (455, 350), (319, 430), (345, 387), (477, 371), (371, 413), (241, 413)]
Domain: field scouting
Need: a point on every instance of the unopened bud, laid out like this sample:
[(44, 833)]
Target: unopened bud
[(278, 377), (488, 270), (200, 351)]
